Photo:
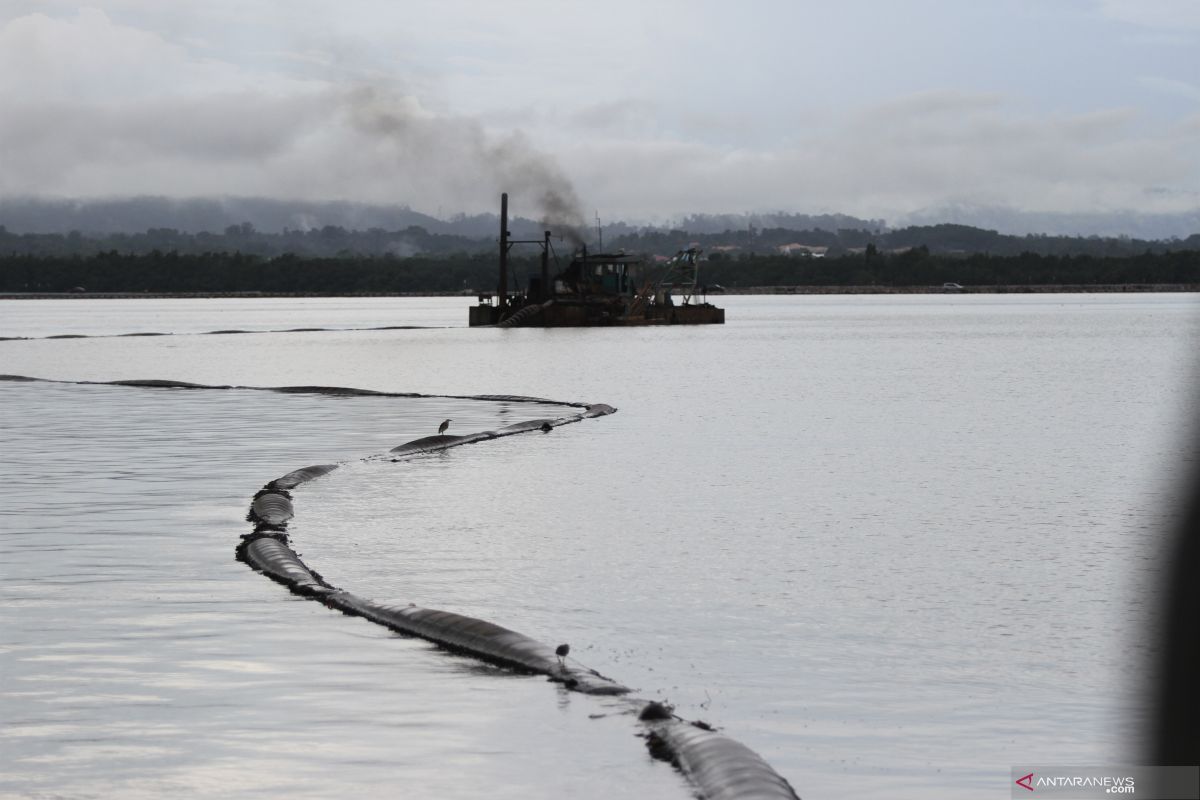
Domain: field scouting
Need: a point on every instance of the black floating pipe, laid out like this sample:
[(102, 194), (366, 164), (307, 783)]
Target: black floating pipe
[(271, 507), (267, 550), (720, 767), (327, 390)]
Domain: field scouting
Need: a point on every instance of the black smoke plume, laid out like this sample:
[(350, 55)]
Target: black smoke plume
[(460, 153)]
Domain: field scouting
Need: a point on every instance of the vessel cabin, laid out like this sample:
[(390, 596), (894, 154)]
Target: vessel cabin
[(611, 274)]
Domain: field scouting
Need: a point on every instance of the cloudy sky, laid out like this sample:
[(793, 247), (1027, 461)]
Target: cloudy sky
[(646, 109)]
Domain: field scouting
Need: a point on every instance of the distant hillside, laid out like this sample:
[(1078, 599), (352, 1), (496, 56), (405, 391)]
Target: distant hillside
[(1106, 224), (196, 215), (717, 223), (270, 228), (99, 217)]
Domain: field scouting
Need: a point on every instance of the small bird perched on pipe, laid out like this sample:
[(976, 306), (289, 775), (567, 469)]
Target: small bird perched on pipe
[(561, 652), (443, 426)]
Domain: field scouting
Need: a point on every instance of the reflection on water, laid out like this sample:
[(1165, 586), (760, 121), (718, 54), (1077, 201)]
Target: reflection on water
[(895, 545)]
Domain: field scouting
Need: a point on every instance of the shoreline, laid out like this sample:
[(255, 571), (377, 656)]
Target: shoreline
[(747, 290)]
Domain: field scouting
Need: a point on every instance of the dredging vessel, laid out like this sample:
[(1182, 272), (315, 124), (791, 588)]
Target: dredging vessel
[(596, 289)]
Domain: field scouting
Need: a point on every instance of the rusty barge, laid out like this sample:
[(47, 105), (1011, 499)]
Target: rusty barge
[(596, 289)]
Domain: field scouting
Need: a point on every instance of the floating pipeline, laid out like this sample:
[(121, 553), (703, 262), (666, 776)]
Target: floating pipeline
[(150, 383), (267, 550), (271, 508), (524, 315), (269, 553), (226, 332), (481, 639), (590, 409), (443, 441), (299, 476), (720, 767), (717, 765)]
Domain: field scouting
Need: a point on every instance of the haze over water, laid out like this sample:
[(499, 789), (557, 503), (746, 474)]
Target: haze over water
[(893, 544)]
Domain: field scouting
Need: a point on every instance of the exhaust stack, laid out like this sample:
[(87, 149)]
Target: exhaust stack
[(502, 289)]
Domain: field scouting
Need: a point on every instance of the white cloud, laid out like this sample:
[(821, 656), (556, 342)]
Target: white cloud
[(90, 58), (76, 58)]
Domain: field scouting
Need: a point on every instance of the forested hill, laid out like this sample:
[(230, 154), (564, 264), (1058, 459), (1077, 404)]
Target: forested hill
[(333, 241)]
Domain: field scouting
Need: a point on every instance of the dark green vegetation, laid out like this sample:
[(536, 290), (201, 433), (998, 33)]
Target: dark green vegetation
[(238, 272), (919, 267), (332, 241), (163, 272), (462, 257)]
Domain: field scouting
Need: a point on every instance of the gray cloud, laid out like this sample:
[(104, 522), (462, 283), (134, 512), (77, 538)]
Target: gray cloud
[(900, 157), (97, 107), (427, 143), (1171, 86), (1168, 15), (374, 145)]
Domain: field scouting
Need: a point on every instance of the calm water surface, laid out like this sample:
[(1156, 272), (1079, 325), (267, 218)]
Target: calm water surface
[(894, 544)]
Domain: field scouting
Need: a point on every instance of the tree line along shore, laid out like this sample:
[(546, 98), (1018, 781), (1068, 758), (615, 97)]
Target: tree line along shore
[(911, 270)]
